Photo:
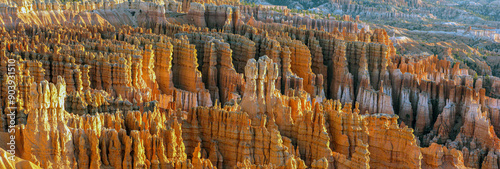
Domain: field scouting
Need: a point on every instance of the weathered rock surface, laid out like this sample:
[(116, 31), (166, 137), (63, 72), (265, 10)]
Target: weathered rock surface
[(205, 84)]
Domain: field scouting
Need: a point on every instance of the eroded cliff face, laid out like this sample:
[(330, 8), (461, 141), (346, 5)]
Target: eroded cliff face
[(129, 85)]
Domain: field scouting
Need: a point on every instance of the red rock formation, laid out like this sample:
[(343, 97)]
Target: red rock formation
[(436, 156), (341, 84), (149, 75), (17, 162), (163, 65), (127, 86), (196, 15), (184, 65), (301, 64), (360, 158), (386, 136), (345, 139)]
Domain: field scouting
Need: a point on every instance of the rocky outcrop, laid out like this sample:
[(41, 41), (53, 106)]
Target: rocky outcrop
[(163, 65), (196, 15), (385, 135), (437, 156), (8, 163), (347, 128), (185, 71), (147, 137), (148, 85), (56, 149), (301, 64)]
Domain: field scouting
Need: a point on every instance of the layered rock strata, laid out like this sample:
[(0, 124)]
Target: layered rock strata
[(199, 85)]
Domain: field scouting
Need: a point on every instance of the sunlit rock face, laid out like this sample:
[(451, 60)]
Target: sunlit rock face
[(221, 84)]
